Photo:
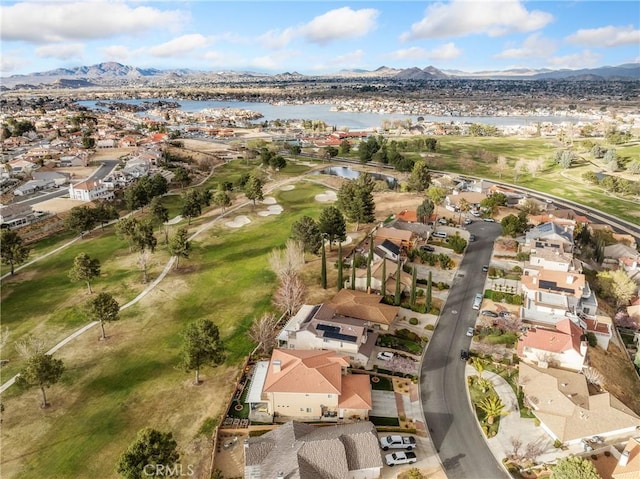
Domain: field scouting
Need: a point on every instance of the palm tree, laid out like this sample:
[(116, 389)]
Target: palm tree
[(493, 407)]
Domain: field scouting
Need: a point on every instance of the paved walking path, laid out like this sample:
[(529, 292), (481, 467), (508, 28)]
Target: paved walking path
[(152, 285)]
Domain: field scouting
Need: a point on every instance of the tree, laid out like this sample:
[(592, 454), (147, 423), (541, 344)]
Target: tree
[(103, 308), (201, 346), (566, 159), (345, 147), (103, 213), (492, 202), (634, 167), (332, 224), (80, 219), (425, 210), (420, 178), (352, 281), (143, 237), (530, 207), (493, 407), (150, 450), (307, 232), (533, 166), (414, 280), (574, 467), (287, 261), (458, 243), (85, 269), (340, 280), (191, 206), (323, 268), (617, 285), (513, 225), (436, 194), (288, 297), (502, 165), (610, 155), (222, 199), (137, 195), (42, 370), (355, 199), (398, 290), (264, 331), (180, 246), (12, 249), (253, 189), (160, 215), (369, 261), (181, 176)]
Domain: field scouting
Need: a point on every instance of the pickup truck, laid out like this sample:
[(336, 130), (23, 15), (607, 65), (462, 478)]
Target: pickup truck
[(397, 458), (397, 442)]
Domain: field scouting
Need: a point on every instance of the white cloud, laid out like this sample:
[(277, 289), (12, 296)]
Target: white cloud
[(276, 38), (11, 61), (446, 51), (116, 53), (276, 61), (349, 59), (608, 36), (47, 22), (61, 51), (180, 46), (338, 24), (463, 17), (533, 46), (584, 59)]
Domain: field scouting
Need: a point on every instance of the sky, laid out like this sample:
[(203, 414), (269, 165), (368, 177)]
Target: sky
[(318, 37)]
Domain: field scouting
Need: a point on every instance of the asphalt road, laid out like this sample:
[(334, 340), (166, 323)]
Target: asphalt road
[(452, 423), (104, 169)]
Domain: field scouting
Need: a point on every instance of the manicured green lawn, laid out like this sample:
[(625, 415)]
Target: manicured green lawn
[(113, 388)]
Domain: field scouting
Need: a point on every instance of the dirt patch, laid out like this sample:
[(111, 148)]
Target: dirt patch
[(58, 205), (111, 153), (76, 173), (619, 377), (388, 203)]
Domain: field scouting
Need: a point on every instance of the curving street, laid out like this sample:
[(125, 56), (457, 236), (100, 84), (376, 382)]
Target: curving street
[(453, 427)]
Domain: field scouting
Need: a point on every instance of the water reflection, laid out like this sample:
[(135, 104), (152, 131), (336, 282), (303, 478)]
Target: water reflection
[(346, 172)]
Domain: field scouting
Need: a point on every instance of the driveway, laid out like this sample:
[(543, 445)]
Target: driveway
[(384, 404)]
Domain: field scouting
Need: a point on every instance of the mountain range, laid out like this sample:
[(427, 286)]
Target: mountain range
[(116, 74)]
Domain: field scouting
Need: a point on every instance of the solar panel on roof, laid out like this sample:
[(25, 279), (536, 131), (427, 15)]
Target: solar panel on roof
[(328, 328), (339, 336), (313, 312), (553, 286)]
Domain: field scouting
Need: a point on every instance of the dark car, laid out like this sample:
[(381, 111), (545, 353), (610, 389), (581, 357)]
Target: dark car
[(428, 248), (504, 314), (472, 237), (464, 354), (487, 312)]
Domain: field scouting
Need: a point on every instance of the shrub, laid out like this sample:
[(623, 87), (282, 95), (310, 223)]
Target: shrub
[(429, 327), (557, 443), (413, 321), (592, 339)]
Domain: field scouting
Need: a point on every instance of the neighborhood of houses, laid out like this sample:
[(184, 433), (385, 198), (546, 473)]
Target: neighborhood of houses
[(346, 363)]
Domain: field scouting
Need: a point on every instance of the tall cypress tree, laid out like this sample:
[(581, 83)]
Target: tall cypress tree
[(399, 270), (369, 260), (339, 266), (323, 266), (414, 281), (383, 286), (353, 273), (427, 303)]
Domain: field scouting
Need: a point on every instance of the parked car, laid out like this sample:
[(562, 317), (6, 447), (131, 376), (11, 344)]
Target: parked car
[(489, 220), (385, 356), (397, 458), (470, 331), (504, 314), (440, 234), (397, 442), (428, 248), (477, 301), (488, 312), (442, 221), (472, 237), (485, 268), (468, 221), (464, 354)]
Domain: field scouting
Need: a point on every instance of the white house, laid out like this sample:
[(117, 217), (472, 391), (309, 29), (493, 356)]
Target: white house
[(563, 346), (90, 190)]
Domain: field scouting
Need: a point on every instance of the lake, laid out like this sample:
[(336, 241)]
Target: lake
[(346, 172), (341, 119)]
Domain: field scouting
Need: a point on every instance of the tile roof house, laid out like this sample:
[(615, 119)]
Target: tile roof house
[(402, 238), (300, 451), (312, 385), (563, 346), (390, 271), (367, 307), (319, 327), (550, 255), (561, 401), (614, 464), (90, 190)]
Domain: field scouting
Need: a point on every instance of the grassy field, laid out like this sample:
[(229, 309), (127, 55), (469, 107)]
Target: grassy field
[(113, 388)]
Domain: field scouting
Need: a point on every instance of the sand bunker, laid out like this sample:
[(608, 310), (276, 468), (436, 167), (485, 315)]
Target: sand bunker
[(269, 200), (238, 222), (328, 196), (287, 187), (272, 210)]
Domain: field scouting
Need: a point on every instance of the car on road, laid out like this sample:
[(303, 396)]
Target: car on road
[(489, 220), (477, 301), (385, 356), (485, 268), (440, 234), (488, 312), (472, 237), (464, 354), (397, 458), (470, 332), (442, 221), (428, 248), (468, 221), (397, 442)]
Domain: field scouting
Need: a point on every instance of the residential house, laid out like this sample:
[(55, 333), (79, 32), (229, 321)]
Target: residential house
[(611, 463), (72, 160), (473, 198), (620, 255), (313, 385), (364, 306), (390, 271), (564, 346), (58, 179), (402, 238), (387, 249), (550, 232), (32, 186), (628, 466), (299, 451), (409, 216), (550, 255), (560, 399), (22, 166), (90, 190), (561, 218), (319, 327), (601, 327)]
